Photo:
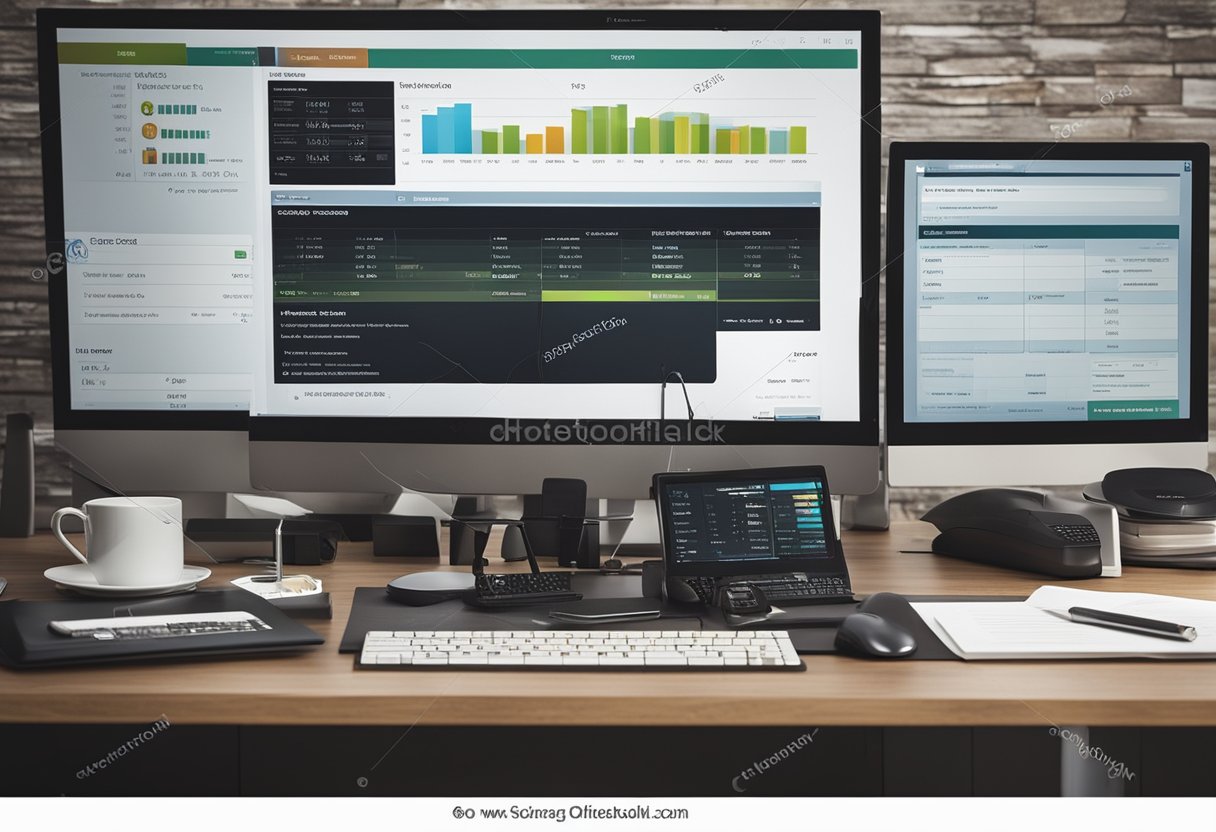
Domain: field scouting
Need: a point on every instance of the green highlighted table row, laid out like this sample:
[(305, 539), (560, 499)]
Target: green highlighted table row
[(627, 295), (1112, 411)]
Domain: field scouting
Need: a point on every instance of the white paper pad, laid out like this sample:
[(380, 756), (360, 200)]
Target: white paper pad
[(1025, 630)]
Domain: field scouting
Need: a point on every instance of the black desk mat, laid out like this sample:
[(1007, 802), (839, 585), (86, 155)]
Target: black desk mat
[(26, 641), (372, 610)]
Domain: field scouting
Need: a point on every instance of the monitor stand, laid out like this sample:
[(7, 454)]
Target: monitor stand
[(866, 512)]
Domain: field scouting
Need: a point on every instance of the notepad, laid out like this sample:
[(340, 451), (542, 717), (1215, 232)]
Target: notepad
[(1026, 630)]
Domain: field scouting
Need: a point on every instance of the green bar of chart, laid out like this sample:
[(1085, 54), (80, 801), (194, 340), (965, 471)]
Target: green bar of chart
[(797, 140), (620, 128), (701, 129), (510, 138), (489, 141), (641, 135), (722, 140), (758, 142), (599, 129), (578, 131), (667, 134)]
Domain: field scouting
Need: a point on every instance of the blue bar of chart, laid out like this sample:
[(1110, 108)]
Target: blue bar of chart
[(462, 127), (449, 130), (430, 134)]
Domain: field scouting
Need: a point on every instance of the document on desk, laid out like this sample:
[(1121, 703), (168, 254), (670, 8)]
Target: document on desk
[(1027, 630)]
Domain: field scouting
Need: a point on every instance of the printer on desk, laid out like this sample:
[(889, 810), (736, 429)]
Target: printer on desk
[(1139, 516), (1029, 530)]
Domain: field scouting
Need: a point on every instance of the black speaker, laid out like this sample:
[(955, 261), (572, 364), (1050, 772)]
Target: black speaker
[(306, 542), (561, 526), (17, 488), (404, 536)]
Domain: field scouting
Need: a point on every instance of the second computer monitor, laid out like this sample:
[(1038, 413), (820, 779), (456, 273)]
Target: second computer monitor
[(1047, 311)]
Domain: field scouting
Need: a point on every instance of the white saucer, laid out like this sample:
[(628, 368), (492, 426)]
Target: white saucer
[(79, 577)]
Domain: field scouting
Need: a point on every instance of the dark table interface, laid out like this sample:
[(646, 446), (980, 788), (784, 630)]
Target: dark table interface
[(715, 522)]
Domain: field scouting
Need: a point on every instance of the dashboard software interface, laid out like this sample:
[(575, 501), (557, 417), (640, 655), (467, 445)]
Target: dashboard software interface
[(516, 224), (716, 522), (1046, 290)]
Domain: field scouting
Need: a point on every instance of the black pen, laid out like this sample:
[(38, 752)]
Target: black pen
[(1130, 623)]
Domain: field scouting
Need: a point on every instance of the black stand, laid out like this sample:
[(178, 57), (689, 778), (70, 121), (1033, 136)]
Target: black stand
[(481, 536), (556, 519)]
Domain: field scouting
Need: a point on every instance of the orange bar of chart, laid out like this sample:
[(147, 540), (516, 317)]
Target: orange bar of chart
[(555, 140), (534, 143), (734, 141)]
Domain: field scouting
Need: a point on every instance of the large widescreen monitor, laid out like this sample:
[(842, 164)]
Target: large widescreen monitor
[(1047, 311), (462, 252)]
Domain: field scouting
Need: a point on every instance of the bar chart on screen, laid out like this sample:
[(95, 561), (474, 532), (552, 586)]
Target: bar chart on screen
[(607, 129), (587, 121), (602, 142)]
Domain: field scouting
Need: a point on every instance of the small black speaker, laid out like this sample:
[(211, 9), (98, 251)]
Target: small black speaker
[(652, 579), (17, 488), (404, 536)]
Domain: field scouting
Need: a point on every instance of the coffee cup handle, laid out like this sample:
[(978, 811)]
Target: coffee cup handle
[(56, 517)]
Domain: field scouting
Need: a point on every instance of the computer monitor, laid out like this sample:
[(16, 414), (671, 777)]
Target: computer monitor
[(490, 243), (150, 199), (1047, 311)]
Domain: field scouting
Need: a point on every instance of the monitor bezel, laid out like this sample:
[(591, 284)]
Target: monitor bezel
[(863, 432), (833, 563), (900, 432)]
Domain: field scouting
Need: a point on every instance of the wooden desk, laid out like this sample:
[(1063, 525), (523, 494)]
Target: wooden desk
[(323, 688)]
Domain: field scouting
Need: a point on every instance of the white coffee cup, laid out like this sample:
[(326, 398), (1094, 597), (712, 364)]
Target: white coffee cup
[(130, 541)]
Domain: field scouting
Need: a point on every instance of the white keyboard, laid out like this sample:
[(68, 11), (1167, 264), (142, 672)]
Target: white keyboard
[(581, 650)]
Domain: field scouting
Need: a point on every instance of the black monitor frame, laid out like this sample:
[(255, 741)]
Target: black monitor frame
[(900, 432), (863, 432)]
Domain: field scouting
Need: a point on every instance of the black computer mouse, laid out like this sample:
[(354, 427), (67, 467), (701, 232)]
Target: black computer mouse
[(873, 637)]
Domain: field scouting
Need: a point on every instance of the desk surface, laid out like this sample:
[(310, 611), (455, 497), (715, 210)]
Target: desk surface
[(323, 688)]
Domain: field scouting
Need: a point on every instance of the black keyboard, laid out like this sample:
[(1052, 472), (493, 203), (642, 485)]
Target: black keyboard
[(784, 589), (521, 589)]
